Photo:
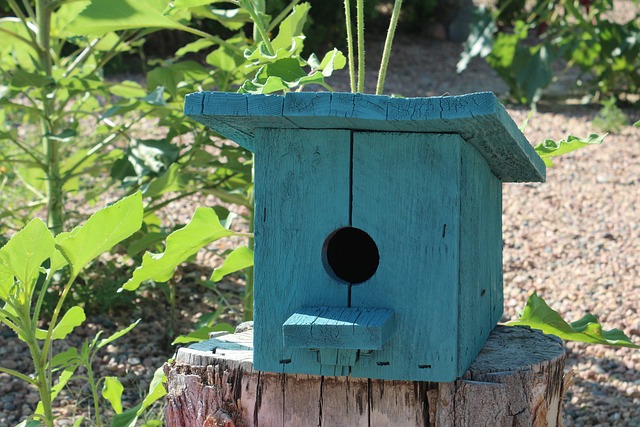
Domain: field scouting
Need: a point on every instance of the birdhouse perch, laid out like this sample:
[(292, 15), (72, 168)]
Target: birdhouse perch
[(378, 241)]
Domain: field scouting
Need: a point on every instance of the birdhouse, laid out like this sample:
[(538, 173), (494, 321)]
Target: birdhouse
[(378, 241)]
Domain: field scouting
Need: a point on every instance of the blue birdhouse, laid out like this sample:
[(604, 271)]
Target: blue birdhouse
[(378, 241)]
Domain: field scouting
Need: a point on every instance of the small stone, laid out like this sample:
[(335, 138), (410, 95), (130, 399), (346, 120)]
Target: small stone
[(133, 361)]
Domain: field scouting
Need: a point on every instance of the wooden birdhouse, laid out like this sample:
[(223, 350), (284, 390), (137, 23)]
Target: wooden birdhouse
[(378, 243)]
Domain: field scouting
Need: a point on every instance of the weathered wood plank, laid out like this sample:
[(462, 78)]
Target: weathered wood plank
[(517, 379), (480, 281), (338, 328), (301, 196), (417, 275), (478, 118)]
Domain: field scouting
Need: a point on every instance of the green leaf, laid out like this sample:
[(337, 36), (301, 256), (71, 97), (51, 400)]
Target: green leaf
[(72, 318), (637, 124), (6, 282), (550, 148), (149, 240), (65, 359), (29, 423), (22, 79), (194, 47), (203, 229), (115, 336), (156, 97), (202, 334), (112, 391), (104, 16), (169, 181), (332, 61), (538, 315), (128, 89), (156, 392), (126, 419), (101, 232), (480, 40), (239, 259), (291, 26), (23, 255)]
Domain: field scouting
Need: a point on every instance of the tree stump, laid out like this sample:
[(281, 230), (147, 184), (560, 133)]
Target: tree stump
[(517, 380)]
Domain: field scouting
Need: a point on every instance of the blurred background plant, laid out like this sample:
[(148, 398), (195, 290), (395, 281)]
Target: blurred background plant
[(531, 44)]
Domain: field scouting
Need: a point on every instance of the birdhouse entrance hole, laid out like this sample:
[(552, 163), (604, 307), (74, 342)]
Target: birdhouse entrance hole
[(350, 255)]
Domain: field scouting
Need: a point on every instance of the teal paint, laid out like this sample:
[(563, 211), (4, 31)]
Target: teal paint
[(338, 328), (422, 178)]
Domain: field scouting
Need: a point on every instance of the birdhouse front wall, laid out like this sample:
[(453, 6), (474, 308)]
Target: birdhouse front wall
[(416, 196)]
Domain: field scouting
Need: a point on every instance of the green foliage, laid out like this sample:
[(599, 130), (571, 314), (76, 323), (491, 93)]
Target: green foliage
[(610, 118), (29, 263), (550, 148), (533, 42), (239, 259), (203, 229), (538, 315)]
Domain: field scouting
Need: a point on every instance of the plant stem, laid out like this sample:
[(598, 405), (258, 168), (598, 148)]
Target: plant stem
[(94, 390), (55, 212), (384, 63), (352, 71), (18, 375), (258, 27), (360, 29)]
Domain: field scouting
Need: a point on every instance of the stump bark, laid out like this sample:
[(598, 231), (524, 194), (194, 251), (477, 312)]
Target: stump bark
[(517, 380)]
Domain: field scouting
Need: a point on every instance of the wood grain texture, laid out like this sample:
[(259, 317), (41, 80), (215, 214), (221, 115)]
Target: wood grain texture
[(417, 276), (478, 118), (480, 270), (301, 197), (338, 328), (516, 380)]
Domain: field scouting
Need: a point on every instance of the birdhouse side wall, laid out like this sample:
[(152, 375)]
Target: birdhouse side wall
[(481, 295), (301, 196)]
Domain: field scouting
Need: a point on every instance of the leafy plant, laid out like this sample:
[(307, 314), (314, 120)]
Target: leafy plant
[(538, 315), (550, 148), (610, 118), (526, 45), (28, 264)]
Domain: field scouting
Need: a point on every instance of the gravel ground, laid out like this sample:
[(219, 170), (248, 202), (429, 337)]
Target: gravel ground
[(574, 239)]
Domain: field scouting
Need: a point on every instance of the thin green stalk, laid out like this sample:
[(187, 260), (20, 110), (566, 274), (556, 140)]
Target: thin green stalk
[(15, 8), (29, 9), (19, 37), (82, 56), (213, 38), (94, 391), (29, 153), (384, 63), (18, 375), (258, 25), (259, 7), (352, 71), (55, 210), (360, 29)]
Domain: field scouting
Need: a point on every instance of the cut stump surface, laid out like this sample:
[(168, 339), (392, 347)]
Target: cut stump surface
[(517, 380)]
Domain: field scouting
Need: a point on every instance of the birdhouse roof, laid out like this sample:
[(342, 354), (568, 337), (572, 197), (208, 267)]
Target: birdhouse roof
[(478, 118)]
